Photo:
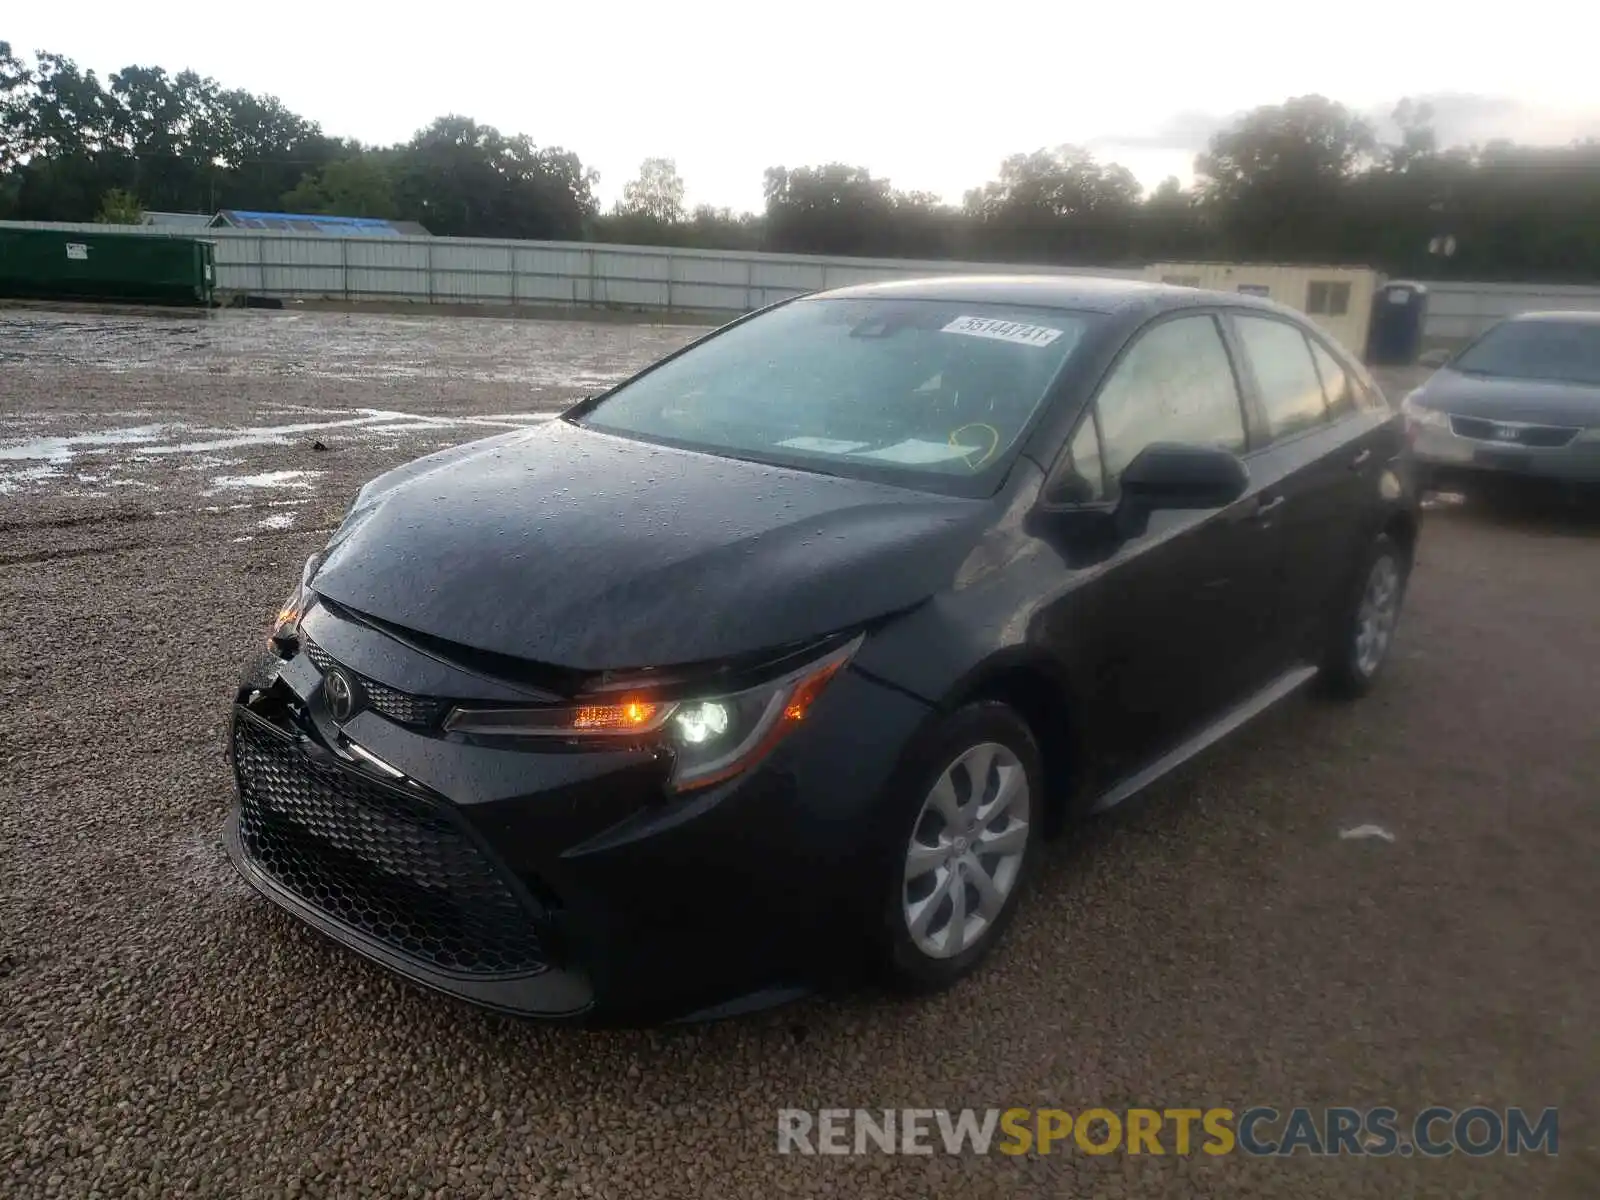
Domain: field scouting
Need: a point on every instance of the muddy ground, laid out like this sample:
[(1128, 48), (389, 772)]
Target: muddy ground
[(1217, 943)]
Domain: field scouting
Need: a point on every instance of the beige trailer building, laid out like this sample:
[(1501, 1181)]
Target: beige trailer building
[(1337, 298)]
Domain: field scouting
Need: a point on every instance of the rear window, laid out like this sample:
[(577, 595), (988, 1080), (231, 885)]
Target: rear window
[(1559, 351), (1291, 390), (908, 389)]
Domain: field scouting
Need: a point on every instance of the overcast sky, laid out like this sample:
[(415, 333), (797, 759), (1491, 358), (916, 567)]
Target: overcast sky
[(930, 94)]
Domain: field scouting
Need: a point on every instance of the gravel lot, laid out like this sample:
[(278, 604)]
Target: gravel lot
[(163, 1031)]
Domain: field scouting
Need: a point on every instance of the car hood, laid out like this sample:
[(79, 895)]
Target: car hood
[(1496, 398), (578, 549)]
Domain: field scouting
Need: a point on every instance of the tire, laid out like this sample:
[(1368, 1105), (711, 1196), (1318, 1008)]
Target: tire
[(921, 948), (1363, 633)]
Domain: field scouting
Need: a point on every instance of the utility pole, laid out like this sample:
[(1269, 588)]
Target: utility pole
[(1442, 246)]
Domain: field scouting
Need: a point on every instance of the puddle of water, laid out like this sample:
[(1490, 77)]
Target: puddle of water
[(209, 462), (268, 479), (496, 423), (279, 435), (13, 481), (62, 449), (222, 508), (147, 441)]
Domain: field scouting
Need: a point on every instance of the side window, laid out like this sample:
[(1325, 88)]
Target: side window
[(1175, 385), (1336, 383), (1291, 391)]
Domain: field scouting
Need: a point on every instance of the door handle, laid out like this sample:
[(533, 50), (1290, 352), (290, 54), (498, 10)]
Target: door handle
[(1361, 459), (1266, 507)]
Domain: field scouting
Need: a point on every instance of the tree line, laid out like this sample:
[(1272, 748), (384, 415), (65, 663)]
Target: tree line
[(1302, 181)]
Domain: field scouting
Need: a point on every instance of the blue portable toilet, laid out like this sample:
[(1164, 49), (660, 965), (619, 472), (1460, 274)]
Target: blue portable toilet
[(1394, 338)]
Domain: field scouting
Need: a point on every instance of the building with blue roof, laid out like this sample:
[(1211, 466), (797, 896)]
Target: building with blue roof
[(318, 224)]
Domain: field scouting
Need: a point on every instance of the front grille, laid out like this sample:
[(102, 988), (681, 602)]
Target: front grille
[(391, 865), (391, 702), (1538, 437), (319, 657), (401, 706)]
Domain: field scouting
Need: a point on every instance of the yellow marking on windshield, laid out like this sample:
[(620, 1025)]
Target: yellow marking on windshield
[(994, 443)]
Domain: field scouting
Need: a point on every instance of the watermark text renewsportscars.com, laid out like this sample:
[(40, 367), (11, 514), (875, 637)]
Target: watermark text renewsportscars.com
[(1258, 1131)]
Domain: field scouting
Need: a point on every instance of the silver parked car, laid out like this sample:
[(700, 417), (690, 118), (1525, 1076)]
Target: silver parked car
[(1521, 400)]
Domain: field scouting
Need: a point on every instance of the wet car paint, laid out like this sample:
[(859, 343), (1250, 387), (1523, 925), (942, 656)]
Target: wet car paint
[(592, 552), (571, 552)]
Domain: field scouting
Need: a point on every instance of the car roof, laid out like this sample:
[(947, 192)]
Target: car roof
[(1575, 316), (1089, 293)]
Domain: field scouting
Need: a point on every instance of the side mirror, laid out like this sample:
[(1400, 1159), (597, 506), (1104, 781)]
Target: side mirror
[(1169, 475)]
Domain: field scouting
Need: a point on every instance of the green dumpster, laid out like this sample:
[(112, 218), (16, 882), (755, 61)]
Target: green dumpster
[(140, 268)]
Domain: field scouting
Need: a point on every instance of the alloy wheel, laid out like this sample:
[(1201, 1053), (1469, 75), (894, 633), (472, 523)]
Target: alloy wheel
[(966, 850), (1375, 619)]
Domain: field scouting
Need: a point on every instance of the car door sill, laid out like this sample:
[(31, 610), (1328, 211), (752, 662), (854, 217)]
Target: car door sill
[(1214, 732)]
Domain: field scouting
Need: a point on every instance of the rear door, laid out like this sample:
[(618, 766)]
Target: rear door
[(1317, 462), (1165, 630), (1370, 453)]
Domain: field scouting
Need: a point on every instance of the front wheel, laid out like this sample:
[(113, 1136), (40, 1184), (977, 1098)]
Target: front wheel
[(1364, 633), (964, 831)]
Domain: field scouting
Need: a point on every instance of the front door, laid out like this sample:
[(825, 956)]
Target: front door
[(1166, 631)]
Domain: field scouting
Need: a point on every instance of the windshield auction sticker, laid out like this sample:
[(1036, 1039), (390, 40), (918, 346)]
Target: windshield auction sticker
[(1003, 331)]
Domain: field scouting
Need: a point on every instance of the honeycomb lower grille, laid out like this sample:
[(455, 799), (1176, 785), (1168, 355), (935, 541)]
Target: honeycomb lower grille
[(390, 865)]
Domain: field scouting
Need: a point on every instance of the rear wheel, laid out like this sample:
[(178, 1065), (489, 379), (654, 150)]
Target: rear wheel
[(965, 829), (1364, 633)]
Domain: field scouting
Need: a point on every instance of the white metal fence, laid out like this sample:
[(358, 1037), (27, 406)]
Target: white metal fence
[(579, 274), (472, 271), (1460, 311)]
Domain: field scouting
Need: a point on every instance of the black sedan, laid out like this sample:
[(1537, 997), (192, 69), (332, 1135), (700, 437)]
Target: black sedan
[(777, 662), (1520, 402)]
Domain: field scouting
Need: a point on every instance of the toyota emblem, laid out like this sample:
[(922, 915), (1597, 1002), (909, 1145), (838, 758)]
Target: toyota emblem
[(340, 694)]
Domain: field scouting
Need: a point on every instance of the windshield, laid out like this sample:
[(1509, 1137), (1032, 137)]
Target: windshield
[(923, 388), (1562, 351)]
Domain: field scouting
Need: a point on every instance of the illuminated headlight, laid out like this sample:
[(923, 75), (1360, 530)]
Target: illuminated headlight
[(710, 737), (1416, 414), (285, 629), (717, 737), (700, 721)]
